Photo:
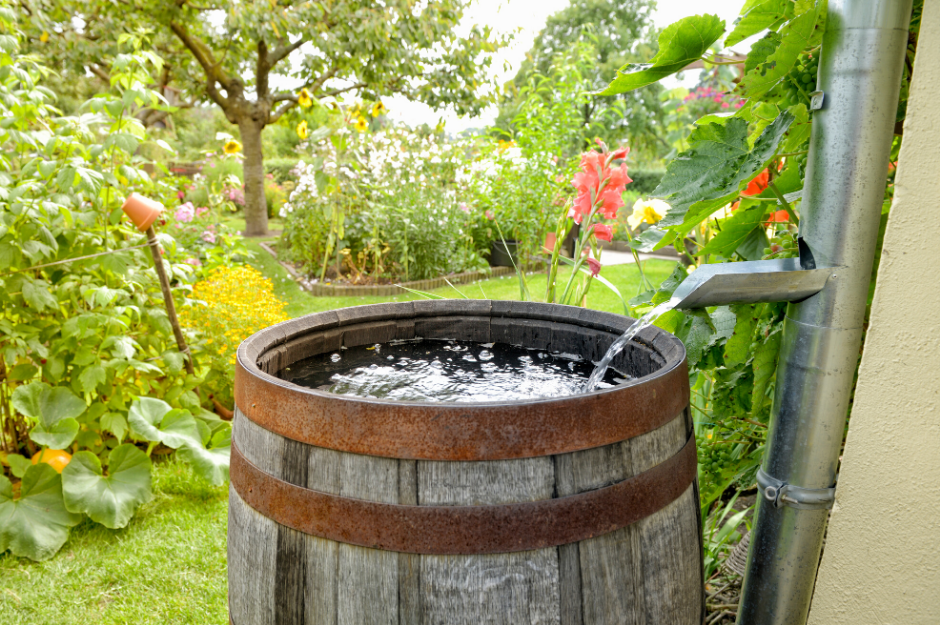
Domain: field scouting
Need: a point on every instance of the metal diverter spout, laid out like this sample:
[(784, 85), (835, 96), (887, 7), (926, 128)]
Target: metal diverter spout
[(782, 280)]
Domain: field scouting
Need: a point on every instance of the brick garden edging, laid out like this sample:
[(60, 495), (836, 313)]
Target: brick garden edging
[(385, 290)]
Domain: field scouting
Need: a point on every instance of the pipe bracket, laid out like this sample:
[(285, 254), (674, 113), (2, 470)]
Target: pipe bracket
[(782, 494)]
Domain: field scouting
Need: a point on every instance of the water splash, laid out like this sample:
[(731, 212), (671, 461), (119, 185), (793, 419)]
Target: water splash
[(617, 346)]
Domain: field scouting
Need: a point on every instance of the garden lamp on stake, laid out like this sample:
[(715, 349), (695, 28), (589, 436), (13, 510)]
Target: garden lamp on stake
[(854, 111), (143, 212)]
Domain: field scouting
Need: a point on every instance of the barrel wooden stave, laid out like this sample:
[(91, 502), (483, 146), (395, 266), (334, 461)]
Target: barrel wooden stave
[(645, 573)]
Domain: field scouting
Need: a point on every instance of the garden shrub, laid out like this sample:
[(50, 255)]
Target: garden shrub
[(383, 206), (84, 344), (230, 305)]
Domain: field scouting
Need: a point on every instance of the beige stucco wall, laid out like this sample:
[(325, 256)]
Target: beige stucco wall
[(882, 559)]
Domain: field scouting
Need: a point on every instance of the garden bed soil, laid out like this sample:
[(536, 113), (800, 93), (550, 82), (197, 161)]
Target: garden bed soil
[(383, 290)]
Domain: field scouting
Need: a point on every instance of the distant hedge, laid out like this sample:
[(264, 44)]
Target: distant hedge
[(280, 167), (645, 180)]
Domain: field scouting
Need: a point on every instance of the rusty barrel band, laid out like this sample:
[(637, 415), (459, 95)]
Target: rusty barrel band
[(453, 431), (464, 530)]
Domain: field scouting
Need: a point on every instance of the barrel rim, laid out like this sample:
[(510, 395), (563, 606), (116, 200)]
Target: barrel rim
[(460, 431)]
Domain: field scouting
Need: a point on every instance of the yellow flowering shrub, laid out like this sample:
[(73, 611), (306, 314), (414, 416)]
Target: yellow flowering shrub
[(231, 305)]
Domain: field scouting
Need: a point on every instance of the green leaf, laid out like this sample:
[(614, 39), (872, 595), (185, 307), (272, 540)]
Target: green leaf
[(23, 371), (718, 165), (213, 463), (50, 405), (110, 500), (91, 377), (680, 43), (178, 428), (736, 229), (696, 335), (764, 365), (57, 436), (144, 416), (37, 295), (154, 420), (36, 525), (115, 423), (794, 38), (755, 17), (738, 346), (18, 464)]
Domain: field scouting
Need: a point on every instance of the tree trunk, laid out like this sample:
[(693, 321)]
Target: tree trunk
[(256, 207)]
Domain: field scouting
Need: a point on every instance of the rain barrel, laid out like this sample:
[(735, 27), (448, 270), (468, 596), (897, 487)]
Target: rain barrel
[(574, 510)]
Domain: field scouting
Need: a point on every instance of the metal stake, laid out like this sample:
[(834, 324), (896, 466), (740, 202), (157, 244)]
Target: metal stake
[(168, 300), (859, 77)]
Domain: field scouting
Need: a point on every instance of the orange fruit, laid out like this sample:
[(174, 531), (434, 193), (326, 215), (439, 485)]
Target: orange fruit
[(56, 458)]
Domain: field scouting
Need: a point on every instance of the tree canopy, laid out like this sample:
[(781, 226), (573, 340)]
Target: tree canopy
[(243, 56)]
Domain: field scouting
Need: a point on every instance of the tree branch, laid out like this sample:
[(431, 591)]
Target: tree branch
[(100, 73), (214, 73), (281, 52), (262, 69), (277, 115)]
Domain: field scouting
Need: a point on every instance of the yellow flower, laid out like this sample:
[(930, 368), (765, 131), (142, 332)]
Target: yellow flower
[(44, 37), (361, 125), (302, 130), (504, 145), (649, 211), (232, 147), (378, 109), (304, 99)]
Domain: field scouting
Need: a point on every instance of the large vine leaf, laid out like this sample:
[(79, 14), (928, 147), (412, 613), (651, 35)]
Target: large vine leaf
[(154, 420), (738, 345), (680, 44), (110, 500), (36, 525), (47, 404), (764, 365), (54, 408), (757, 15), (58, 436), (794, 38), (736, 229), (212, 463), (719, 163)]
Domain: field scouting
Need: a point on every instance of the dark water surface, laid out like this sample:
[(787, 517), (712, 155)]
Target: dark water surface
[(452, 371)]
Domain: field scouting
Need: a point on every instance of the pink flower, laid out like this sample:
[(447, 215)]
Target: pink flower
[(181, 195), (185, 212), (603, 232), (208, 236), (202, 210), (193, 261), (725, 105), (594, 264), (588, 182), (490, 215), (463, 206)]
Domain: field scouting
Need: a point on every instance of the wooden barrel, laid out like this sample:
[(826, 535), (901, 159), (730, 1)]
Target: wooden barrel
[(576, 510)]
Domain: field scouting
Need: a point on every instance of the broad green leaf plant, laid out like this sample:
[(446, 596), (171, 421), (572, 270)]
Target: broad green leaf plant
[(84, 339), (734, 194)]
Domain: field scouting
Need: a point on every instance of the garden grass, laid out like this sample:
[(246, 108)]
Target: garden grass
[(625, 277), (167, 566)]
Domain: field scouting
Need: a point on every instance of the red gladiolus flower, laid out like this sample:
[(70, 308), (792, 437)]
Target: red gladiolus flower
[(595, 265), (603, 232), (588, 183)]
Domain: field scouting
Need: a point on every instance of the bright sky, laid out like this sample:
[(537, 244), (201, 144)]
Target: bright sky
[(528, 16)]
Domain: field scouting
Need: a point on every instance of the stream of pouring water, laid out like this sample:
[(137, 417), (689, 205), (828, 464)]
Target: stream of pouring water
[(617, 346)]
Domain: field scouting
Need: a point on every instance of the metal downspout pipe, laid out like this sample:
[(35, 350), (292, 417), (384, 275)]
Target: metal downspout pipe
[(859, 74)]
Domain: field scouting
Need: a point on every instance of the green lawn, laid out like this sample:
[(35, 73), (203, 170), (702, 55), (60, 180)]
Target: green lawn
[(626, 278), (168, 565)]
